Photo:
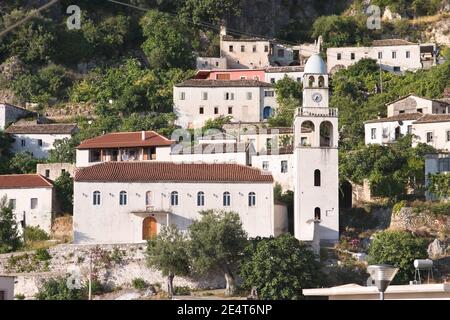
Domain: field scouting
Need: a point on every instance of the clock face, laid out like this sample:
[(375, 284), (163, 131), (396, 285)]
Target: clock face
[(317, 97)]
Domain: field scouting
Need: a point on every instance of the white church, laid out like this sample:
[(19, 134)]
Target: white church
[(129, 201)]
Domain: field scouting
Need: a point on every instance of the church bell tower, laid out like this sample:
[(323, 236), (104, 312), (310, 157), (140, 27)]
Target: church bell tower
[(316, 202)]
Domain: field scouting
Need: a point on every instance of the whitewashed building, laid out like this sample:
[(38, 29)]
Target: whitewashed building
[(316, 175), (39, 139), (387, 130), (129, 202), (9, 114), (7, 287), (395, 55), (123, 146), (31, 197), (437, 163), (53, 171), (433, 129), (196, 101), (415, 104), (275, 74)]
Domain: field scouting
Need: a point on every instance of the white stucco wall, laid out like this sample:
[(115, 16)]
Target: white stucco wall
[(439, 131), (41, 216), (387, 62), (259, 140), (411, 104), (188, 110), (224, 157), (31, 143), (285, 179), (276, 76), (7, 287), (9, 114), (385, 131), (112, 223)]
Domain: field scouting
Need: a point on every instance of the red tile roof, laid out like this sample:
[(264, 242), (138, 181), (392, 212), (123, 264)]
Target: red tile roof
[(430, 118), (126, 140), (169, 171), (16, 181), (399, 117), (223, 83)]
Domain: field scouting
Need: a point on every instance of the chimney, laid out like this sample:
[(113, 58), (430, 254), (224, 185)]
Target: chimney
[(143, 135)]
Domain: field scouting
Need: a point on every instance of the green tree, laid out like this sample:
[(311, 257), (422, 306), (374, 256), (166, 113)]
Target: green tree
[(23, 163), (9, 233), (167, 43), (5, 152), (439, 184), (168, 252), (289, 98), (212, 11), (64, 150), (64, 192), (400, 249), (217, 244), (57, 289), (280, 268)]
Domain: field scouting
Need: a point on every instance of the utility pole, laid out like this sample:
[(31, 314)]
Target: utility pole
[(381, 78), (90, 275)]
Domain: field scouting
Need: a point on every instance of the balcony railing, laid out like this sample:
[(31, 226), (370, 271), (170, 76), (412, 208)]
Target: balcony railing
[(318, 112)]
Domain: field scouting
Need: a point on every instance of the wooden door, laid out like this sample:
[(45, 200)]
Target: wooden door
[(149, 228)]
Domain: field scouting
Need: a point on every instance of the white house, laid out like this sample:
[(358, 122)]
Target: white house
[(31, 197), (438, 163), (196, 101), (387, 130), (267, 140), (123, 146), (10, 113), (39, 139), (394, 55), (415, 104), (433, 129), (316, 174), (129, 202), (53, 171), (274, 74)]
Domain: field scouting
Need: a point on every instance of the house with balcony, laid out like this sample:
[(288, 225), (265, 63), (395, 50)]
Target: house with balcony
[(123, 147), (129, 202)]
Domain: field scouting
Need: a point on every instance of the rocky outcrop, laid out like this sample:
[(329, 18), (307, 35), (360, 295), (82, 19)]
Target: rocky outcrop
[(407, 219), (437, 249)]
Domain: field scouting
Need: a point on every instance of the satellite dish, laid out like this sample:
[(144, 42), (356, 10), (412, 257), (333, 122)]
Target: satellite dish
[(400, 122)]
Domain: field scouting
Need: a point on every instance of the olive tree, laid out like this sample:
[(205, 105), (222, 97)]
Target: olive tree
[(217, 244)]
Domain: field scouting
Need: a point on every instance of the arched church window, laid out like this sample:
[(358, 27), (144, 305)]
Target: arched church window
[(317, 214), (326, 134), (321, 82)]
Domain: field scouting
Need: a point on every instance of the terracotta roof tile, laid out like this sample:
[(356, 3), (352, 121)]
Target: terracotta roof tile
[(213, 148), (169, 171), (223, 83), (430, 118), (57, 128), (399, 117), (15, 181), (126, 140)]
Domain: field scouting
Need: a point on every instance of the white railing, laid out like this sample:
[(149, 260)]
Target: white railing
[(318, 112)]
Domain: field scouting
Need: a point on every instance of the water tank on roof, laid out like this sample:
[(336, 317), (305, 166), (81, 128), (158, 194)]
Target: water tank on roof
[(423, 264)]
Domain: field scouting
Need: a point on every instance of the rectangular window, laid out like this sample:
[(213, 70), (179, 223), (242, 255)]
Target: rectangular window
[(229, 96), (429, 137), (94, 155), (230, 48), (12, 204), (254, 48), (396, 69), (401, 111), (266, 48), (373, 133), (444, 165), (182, 95), (22, 142), (204, 95), (269, 93), (216, 110), (201, 110), (408, 54), (352, 56), (339, 56), (33, 203), (40, 142), (280, 53), (63, 171), (284, 166), (269, 144), (380, 55), (249, 96), (265, 165), (448, 135), (420, 110), (410, 129), (217, 64), (230, 110), (243, 77), (272, 80), (394, 55), (242, 48), (47, 173)]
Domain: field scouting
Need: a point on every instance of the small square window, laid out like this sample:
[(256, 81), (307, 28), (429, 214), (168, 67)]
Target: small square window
[(429, 137), (352, 56), (230, 48), (254, 48), (47, 173), (33, 203), (40, 142), (242, 48), (230, 110), (394, 55), (201, 110), (12, 204), (272, 80), (243, 77), (420, 110), (266, 48), (339, 56), (408, 54), (249, 96), (284, 166), (182, 95), (265, 165), (380, 55), (204, 95)]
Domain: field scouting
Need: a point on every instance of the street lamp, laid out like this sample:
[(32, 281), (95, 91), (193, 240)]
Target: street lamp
[(382, 275)]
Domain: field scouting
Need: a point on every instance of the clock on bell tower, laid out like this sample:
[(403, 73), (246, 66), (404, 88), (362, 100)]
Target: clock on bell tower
[(315, 89)]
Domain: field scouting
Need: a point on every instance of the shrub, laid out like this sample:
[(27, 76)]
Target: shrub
[(182, 291), (400, 249), (35, 234), (19, 296), (139, 284), (57, 289), (399, 206), (42, 254)]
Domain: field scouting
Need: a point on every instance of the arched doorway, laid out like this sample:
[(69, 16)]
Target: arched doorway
[(149, 228), (267, 113)]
